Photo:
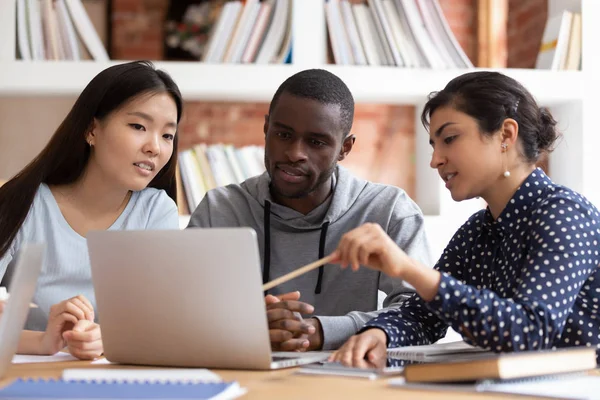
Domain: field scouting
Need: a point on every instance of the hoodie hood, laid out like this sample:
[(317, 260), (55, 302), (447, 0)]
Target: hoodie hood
[(287, 219), (346, 191)]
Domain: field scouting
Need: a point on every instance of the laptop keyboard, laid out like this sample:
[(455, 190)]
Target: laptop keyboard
[(278, 358)]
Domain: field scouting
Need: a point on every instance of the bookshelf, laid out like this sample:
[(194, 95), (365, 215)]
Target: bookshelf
[(569, 94)]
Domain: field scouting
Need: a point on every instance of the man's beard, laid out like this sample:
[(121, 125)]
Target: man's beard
[(323, 178)]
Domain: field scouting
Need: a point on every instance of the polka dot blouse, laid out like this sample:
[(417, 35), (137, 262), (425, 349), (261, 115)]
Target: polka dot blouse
[(528, 280)]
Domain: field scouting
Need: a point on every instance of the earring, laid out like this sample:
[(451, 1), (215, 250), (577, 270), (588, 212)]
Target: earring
[(504, 149)]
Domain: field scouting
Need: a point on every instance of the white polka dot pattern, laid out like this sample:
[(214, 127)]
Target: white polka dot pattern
[(529, 280)]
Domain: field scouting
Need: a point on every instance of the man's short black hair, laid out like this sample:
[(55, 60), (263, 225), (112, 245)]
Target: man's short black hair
[(322, 86)]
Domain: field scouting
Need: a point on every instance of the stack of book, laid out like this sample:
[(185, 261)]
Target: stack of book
[(56, 30), (251, 32), (561, 43), (403, 33), (206, 167)]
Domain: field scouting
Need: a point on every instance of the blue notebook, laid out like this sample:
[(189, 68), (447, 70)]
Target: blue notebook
[(60, 389)]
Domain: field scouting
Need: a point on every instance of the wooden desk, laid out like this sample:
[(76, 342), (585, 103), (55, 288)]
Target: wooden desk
[(281, 384)]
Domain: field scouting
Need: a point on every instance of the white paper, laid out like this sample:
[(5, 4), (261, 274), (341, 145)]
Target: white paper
[(58, 357), (101, 361), (162, 375)]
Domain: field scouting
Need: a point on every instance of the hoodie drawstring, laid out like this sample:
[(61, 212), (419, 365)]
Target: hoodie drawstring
[(267, 249), (321, 254)]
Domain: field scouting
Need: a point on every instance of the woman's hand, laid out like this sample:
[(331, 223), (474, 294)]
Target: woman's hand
[(84, 341), (63, 317), (369, 245), (365, 350)]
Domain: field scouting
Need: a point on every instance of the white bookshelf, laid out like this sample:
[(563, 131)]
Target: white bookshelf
[(570, 94)]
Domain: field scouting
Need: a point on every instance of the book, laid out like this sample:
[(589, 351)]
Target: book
[(85, 29), (504, 366), (555, 41), (573, 59)]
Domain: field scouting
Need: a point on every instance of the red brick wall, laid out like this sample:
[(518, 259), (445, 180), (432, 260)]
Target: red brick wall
[(526, 22)]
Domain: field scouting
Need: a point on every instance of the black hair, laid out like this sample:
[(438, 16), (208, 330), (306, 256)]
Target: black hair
[(66, 155), (490, 98), (322, 86)]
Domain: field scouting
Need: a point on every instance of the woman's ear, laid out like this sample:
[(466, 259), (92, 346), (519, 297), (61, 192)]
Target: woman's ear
[(91, 135), (510, 131)]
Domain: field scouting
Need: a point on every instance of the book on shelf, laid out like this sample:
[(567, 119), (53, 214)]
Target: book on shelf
[(251, 32), (403, 33), (561, 42), (56, 30), (504, 366), (203, 168)]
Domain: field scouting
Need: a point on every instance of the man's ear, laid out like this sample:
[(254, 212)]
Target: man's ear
[(266, 125), (346, 146)]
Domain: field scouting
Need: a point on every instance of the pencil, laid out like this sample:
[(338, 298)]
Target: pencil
[(298, 272)]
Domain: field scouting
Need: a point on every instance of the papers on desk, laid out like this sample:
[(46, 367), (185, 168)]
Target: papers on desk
[(151, 375), (58, 357)]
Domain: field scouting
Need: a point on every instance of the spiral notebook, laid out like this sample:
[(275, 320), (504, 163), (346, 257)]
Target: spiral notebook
[(126, 384)]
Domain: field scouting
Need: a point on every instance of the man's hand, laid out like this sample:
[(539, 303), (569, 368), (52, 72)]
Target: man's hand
[(366, 350), (287, 330), (84, 341)]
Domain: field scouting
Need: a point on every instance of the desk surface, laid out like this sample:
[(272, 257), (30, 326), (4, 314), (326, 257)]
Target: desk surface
[(274, 384)]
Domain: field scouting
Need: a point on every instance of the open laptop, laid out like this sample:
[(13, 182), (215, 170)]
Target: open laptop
[(22, 287), (190, 298)]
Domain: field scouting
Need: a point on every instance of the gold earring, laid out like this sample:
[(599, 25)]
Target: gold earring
[(504, 149)]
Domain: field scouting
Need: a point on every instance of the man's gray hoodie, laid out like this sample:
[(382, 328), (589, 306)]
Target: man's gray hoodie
[(344, 300)]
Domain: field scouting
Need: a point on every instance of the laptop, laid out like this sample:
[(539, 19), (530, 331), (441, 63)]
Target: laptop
[(28, 264), (189, 298)]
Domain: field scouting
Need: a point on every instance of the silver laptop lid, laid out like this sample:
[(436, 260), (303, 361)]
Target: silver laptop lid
[(28, 265), (190, 298)]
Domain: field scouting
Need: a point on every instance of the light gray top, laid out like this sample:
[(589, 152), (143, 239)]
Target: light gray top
[(347, 299), (66, 271)]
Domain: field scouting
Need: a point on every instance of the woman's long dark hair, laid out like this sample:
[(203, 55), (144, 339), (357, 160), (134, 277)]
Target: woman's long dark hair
[(65, 157)]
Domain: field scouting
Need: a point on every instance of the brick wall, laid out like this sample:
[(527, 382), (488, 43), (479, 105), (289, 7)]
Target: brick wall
[(526, 22), (384, 149)]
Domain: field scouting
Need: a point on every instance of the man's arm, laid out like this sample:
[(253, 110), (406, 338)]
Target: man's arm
[(409, 235), (201, 216)]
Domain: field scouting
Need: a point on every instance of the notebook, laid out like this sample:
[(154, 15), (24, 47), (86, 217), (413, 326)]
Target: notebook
[(568, 386), (504, 366), (574, 386), (61, 389), (437, 352), (85, 383)]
